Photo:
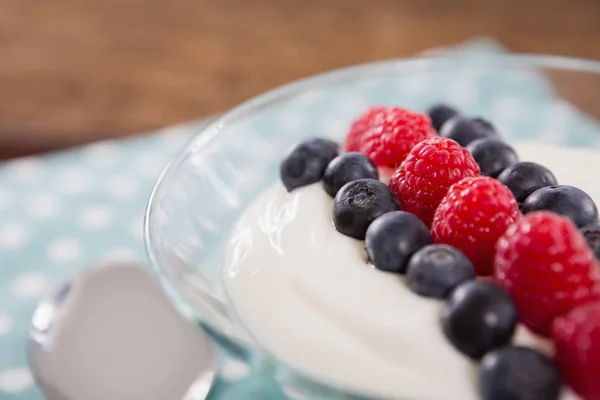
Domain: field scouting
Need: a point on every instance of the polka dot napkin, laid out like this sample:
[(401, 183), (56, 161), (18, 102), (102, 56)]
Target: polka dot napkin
[(62, 212)]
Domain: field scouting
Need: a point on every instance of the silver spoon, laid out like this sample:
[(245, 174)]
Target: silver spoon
[(110, 332)]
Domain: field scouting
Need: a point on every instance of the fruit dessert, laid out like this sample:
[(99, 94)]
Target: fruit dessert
[(425, 258)]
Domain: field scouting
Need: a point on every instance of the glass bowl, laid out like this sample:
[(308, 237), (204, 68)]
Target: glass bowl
[(204, 190)]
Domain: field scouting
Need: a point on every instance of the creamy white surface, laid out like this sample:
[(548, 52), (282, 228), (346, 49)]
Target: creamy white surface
[(308, 296)]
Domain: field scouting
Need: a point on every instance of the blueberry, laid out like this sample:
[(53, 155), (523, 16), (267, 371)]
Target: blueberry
[(435, 270), (524, 178), (393, 238), (518, 373), (478, 317), (439, 114), (566, 200), (346, 168), (465, 130), (360, 202), (306, 163), (492, 155), (592, 235)]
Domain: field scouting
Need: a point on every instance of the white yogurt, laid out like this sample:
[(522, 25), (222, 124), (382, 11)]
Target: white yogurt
[(307, 295)]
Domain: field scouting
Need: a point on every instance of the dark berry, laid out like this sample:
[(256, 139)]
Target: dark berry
[(592, 235), (360, 202), (393, 238), (524, 178), (492, 155), (439, 114), (306, 163), (565, 200), (346, 168), (465, 130), (518, 373), (435, 270), (478, 317)]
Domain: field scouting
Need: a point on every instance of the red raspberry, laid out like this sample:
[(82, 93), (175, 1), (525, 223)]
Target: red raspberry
[(427, 173), (475, 212), (547, 267), (392, 134), (360, 126), (577, 343)]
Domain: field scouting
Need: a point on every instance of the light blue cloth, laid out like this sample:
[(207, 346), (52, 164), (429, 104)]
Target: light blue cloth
[(64, 211)]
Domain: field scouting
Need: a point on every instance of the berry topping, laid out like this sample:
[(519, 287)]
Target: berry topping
[(526, 177), (478, 317), (518, 373), (465, 130), (306, 163), (492, 155), (360, 126), (566, 200), (435, 270), (393, 238), (346, 168), (360, 202), (430, 168), (472, 216), (392, 134), (577, 343), (439, 114), (547, 267), (591, 233)]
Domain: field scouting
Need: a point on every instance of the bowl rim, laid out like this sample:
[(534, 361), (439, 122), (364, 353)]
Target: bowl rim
[(216, 125)]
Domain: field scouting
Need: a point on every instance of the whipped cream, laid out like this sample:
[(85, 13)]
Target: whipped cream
[(307, 295)]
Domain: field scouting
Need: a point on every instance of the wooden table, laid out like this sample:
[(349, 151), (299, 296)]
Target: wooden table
[(73, 71)]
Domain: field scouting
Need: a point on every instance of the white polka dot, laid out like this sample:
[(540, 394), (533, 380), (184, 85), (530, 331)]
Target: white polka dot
[(76, 182), (507, 108), (63, 250), (136, 228), (462, 94), (13, 237), (44, 206), (149, 165), (123, 188), (101, 153), (233, 370), (120, 254), (29, 286), (6, 199), (95, 217), (26, 170), (15, 380), (6, 324)]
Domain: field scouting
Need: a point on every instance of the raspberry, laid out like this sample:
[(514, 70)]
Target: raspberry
[(475, 212), (360, 126), (547, 267), (392, 134), (427, 173), (577, 343)]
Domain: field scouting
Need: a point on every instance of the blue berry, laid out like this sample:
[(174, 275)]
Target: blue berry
[(492, 155), (566, 200), (346, 168), (360, 202), (439, 114), (306, 163), (465, 130), (393, 238), (518, 373), (592, 235), (524, 178), (478, 317), (435, 270)]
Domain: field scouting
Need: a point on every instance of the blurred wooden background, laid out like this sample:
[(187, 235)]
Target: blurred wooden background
[(73, 71)]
